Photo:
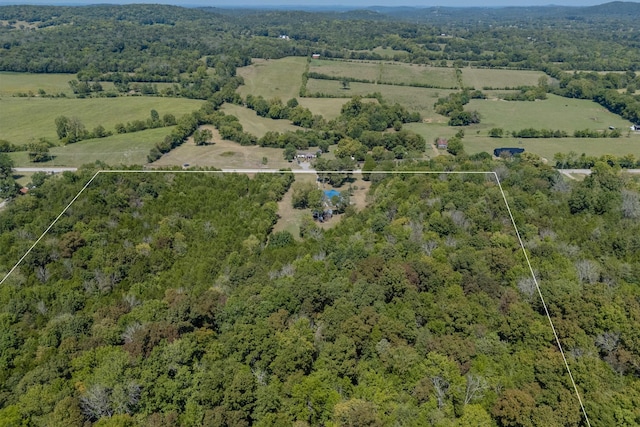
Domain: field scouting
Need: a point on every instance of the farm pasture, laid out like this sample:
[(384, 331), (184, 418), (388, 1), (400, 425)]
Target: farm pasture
[(26, 119), (547, 148), (495, 78), (256, 125), (224, 154), (119, 149), (553, 113), (14, 83), (273, 78), (413, 98), (386, 72)]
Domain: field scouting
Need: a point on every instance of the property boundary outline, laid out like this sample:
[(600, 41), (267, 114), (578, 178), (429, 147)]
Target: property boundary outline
[(276, 171)]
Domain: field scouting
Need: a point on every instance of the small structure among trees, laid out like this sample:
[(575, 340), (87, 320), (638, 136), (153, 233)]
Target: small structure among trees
[(507, 151)]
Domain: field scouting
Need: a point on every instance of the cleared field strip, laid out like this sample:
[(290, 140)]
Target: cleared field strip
[(386, 72), (26, 119), (224, 154), (256, 125), (273, 78), (479, 78), (119, 149), (553, 113), (329, 108), (413, 98), (547, 148)]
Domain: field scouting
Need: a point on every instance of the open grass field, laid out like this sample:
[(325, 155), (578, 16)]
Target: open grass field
[(553, 113), (255, 124), (27, 119), (414, 98), (480, 77), (224, 154), (273, 78), (548, 147), (386, 72), (13, 83), (389, 52), (120, 149), (329, 108)]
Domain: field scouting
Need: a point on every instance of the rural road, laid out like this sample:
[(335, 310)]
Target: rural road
[(46, 170), (588, 171)]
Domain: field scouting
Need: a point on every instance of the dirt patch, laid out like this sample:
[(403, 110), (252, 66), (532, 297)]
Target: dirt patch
[(224, 154)]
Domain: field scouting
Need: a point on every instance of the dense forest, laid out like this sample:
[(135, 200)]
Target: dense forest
[(166, 298)]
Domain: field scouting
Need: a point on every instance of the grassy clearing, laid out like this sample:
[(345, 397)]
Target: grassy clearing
[(390, 53), (273, 78), (553, 113), (329, 108), (290, 218), (27, 119), (548, 147), (120, 149), (479, 78), (255, 124), (387, 72), (13, 83), (224, 154), (414, 98)]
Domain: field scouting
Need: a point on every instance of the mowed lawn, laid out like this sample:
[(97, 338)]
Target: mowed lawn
[(553, 113), (497, 79), (119, 149), (273, 78), (387, 72), (547, 148), (413, 98), (224, 154), (26, 119), (256, 125)]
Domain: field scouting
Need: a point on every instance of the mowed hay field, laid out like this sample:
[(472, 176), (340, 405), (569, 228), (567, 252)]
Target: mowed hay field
[(26, 119), (13, 83), (413, 98), (553, 113), (224, 154), (329, 108), (547, 148), (480, 77), (387, 72), (119, 149), (256, 125), (273, 78)]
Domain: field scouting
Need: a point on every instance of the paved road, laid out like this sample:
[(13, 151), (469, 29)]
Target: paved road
[(46, 170)]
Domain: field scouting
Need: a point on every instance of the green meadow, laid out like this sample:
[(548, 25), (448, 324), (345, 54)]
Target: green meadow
[(555, 112), (481, 77), (548, 147), (414, 98), (14, 83), (273, 78), (386, 72), (26, 119), (255, 124), (119, 149)]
